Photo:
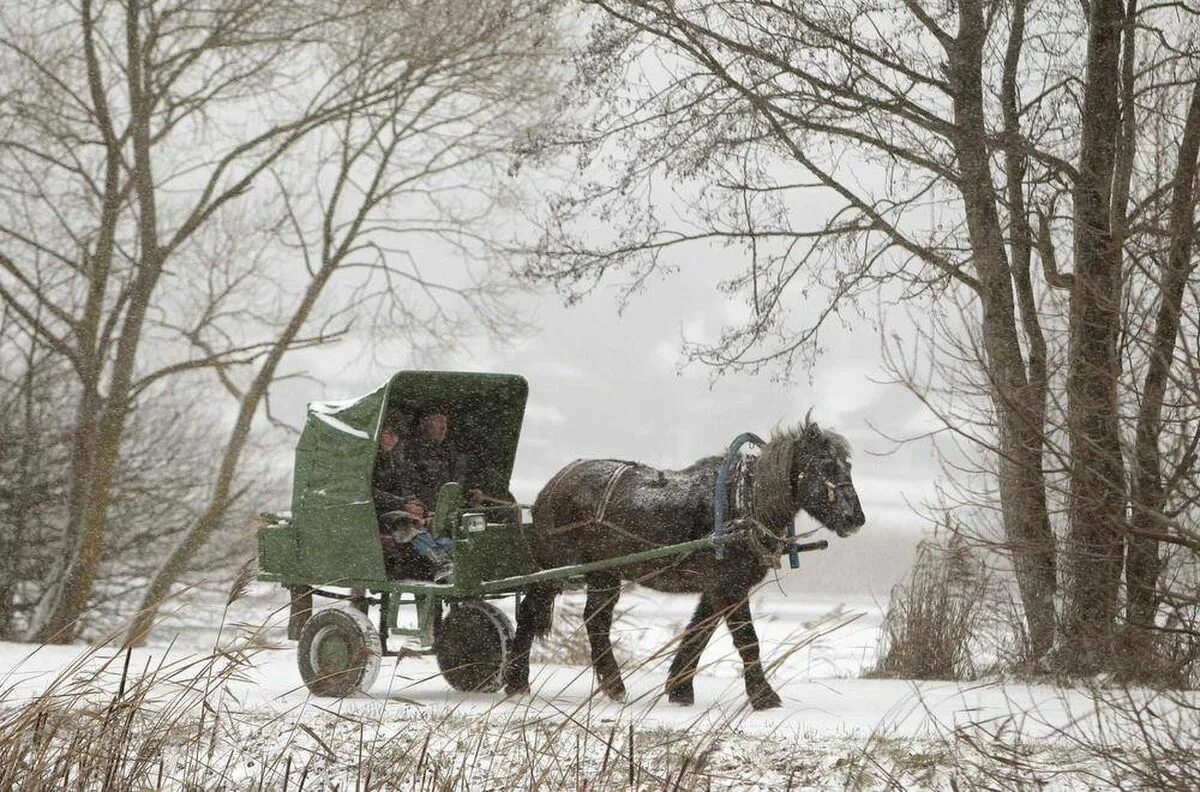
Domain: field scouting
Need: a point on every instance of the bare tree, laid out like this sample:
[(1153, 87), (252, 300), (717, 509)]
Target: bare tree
[(32, 458), (1096, 516), (457, 117), (1167, 431), (162, 478), (776, 106), (148, 201), (931, 149)]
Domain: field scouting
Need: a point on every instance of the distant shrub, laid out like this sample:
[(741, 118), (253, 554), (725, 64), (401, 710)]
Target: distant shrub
[(1167, 656), (934, 618)]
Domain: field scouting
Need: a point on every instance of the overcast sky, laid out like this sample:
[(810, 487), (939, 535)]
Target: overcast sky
[(609, 384), (604, 384)]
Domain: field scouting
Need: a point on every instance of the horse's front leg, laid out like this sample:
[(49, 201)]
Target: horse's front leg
[(691, 646), (741, 627), (603, 590)]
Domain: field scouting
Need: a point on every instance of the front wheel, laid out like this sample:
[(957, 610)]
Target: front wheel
[(338, 652), (473, 646)]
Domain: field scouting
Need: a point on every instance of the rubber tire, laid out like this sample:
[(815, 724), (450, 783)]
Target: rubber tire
[(474, 645), (350, 645)]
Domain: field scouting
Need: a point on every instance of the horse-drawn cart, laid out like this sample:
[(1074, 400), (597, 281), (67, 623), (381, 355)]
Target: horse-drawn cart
[(328, 546)]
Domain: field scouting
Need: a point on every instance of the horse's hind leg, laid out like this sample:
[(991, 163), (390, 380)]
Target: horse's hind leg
[(534, 617), (691, 646), (603, 590), (516, 673), (762, 696)]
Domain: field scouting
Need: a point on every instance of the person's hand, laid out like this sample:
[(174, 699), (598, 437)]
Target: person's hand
[(401, 525), (417, 510), (475, 497)]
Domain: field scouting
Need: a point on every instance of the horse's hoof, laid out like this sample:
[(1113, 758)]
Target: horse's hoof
[(766, 699), (681, 696), (616, 692)]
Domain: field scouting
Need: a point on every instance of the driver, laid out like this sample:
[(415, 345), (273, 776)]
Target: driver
[(428, 461)]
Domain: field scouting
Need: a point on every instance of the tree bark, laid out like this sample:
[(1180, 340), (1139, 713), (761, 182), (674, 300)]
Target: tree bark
[(1148, 496), (1096, 502), (1019, 402), (90, 345), (100, 470)]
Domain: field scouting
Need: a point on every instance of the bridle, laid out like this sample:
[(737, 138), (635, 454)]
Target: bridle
[(831, 487)]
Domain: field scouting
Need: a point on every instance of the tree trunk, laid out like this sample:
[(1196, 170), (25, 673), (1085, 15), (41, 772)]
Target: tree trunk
[(1148, 497), (84, 560), (1019, 403), (1096, 510), (14, 537)]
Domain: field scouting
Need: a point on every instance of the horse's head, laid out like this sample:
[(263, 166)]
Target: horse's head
[(821, 483)]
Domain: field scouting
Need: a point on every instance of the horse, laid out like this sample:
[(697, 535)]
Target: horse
[(596, 509)]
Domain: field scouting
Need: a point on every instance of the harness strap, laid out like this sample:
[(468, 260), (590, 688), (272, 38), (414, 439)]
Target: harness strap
[(621, 470), (721, 496), (601, 509)]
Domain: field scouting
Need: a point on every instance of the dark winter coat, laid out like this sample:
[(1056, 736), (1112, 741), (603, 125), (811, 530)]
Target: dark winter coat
[(416, 469)]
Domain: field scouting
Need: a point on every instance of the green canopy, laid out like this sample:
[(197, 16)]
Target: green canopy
[(333, 516)]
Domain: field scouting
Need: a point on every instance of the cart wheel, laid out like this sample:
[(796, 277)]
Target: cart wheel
[(338, 652), (473, 646)]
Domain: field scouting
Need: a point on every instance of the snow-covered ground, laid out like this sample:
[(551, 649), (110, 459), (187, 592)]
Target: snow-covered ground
[(835, 730)]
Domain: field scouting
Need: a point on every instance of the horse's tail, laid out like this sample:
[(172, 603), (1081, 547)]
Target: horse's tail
[(537, 606), (545, 544)]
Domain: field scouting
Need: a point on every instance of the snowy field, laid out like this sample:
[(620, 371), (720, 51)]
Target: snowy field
[(260, 729)]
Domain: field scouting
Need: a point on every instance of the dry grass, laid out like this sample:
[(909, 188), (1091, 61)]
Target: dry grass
[(103, 723), (567, 642), (106, 722), (933, 620), (80, 734)]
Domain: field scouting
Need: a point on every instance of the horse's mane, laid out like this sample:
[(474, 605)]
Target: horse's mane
[(773, 472), (837, 442)]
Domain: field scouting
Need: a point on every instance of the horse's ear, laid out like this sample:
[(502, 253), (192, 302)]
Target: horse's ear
[(811, 430)]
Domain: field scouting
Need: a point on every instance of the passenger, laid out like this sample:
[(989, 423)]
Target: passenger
[(398, 483)]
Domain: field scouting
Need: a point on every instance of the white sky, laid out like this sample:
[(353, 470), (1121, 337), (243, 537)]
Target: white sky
[(603, 384), (608, 384)]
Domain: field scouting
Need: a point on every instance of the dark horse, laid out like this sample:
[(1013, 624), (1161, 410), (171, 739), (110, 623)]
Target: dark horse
[(597, 509)]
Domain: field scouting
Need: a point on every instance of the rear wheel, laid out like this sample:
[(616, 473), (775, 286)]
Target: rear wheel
[(338, 652), (473, 646)]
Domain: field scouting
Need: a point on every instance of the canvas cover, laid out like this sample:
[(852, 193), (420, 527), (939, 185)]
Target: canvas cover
[(333, 518)]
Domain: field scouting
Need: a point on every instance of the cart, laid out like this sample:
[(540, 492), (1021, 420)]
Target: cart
[(327, 548)]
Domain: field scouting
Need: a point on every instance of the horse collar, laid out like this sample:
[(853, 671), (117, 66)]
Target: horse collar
[(721, 496)]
